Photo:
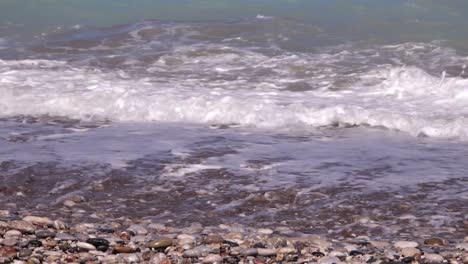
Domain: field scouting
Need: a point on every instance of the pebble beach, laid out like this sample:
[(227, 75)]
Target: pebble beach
[(34, 240)]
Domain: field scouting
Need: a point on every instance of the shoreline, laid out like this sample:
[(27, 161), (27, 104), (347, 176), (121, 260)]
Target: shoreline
[(34, 239)]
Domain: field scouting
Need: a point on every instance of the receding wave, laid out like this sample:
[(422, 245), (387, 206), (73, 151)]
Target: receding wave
[(401, 98)]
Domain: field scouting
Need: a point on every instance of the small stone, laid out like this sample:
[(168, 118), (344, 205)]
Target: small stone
[(462, 246), (266, 252), (44, 234), (101, 244), (24, 253), (86, 246), (329, 260), (59, 225), (63, 236), (159, 258), (34, 260), (105, 230), (322, 243), (405, 244), (186, 241), (160, 243), (249, 252), (131, 258), (10, 241), (69, 203), (22, 226), (76, 198), (124, 249), (410, 252), (138, 229), (435, 242), (213, 239), (35, 243), (192, 253), (43, 221), (212, 258), (335, 253), (287, 250), (265, 231), (12, 233), (8, 252), (433, 258), (380, 244), (51, 243), (465, 259)]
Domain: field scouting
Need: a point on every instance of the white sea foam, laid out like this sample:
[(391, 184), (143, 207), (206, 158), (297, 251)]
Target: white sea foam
[(400, 98)]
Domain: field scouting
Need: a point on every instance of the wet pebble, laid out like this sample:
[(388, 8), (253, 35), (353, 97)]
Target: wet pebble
[(12, 233), (405, 244), (265, 231), (25, 252), (160, 243), (35, 243), (462, 246), (63, 236), (86, 246), (138, 229), (212, 258), (433, 258), (434, 241), (131, 258), (59, 225), (213, 239), (8, 252), (329, 260), (44, 234), (9, 242), (159, 258), (124, 249), (266, 252), (410, 252), (22, 226), (249, 252), (101, 244), (286, 250), (43, 221)]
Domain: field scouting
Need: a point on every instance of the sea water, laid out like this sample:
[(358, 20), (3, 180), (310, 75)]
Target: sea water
[(305, 113)]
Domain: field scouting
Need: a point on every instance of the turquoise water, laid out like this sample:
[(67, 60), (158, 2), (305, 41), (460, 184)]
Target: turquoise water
[(419, 20)]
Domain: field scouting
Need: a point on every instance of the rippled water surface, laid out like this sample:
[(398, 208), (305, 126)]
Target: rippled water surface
[(349, 124)]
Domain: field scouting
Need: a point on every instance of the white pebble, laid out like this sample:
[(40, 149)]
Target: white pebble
[(410, 252), (405, 244), (265, 231), (266, 252), (329, 260), (12, 233), (433, 258), (463, 246), (38, 220), (84, 245), (286, 250), (212, 258)]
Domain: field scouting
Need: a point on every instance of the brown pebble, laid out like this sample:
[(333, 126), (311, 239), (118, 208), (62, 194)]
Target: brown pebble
[(213, 239), (125, 236), (434, 241), (51, 243), (160, 243), (8, 252), (22, 226), (124, 249)]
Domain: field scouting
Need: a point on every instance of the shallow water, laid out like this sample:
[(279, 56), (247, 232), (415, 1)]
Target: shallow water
[(264, 118)]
